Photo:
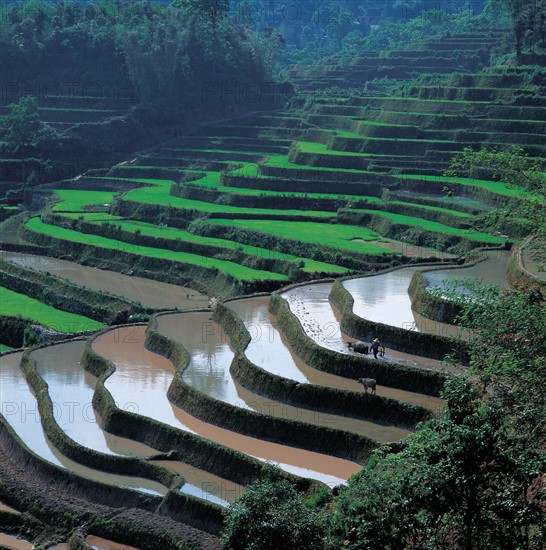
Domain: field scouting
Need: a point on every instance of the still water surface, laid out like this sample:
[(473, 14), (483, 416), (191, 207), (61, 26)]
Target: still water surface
[(140, 384)]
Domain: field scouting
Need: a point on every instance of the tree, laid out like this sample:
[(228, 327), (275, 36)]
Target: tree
[(524, 214), (210, 9), (529, 23), (22, 123), (271, 515), (474, 477), (512, 165)]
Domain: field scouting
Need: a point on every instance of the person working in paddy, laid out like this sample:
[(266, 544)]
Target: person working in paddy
[(376, 344)]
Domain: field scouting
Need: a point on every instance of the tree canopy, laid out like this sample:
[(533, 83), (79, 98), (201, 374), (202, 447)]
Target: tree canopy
[(472, 478)]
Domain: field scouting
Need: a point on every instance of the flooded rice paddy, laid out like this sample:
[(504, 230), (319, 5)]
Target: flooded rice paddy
[(320, 320), (200, 336), (140, 384), (150, 293), (20, 409), (142, 378)]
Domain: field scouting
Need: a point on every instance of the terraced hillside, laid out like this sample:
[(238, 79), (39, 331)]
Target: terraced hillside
[(199, 415), (333, 186), (71, 117), (178, 410), (468, 52), (340, 185)]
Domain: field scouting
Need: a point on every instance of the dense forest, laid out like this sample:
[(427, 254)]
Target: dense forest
[(192, 60)]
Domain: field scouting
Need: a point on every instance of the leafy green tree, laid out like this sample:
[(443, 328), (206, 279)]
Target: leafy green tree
[(211, 9), (271, 515), (512, 165), (472, 478), (23, 124)]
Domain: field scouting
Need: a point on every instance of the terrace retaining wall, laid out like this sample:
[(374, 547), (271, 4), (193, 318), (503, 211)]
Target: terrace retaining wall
[(285, 431), (387, 374)]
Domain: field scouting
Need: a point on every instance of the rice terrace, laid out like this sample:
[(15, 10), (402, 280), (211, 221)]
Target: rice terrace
[(222, 222)]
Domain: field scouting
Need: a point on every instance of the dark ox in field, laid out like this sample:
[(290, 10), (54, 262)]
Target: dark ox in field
[(359, 347)]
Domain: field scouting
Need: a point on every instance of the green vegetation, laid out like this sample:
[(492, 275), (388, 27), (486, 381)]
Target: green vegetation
[(468, 479), (232, 269), (498, 187), (436, 227), (140, 195), (19, 305), (342, 237), (434, 209), (310, 266), (513, 166), (4, 348), (405, 133), (72, 200), (526, 178)]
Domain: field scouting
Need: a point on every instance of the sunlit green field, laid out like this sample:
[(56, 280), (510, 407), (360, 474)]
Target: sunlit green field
[(343, 237), (174, 234), (4, 348), (160, 195), (15, 304), (75, 200), (437, 227), (236, 271)]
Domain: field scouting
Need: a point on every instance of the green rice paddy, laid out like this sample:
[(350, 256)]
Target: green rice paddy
[(436, 227), (247, 165), (343, 237), (232, 269), (174, 234), (160, 194), (15, 304), (77, 200)]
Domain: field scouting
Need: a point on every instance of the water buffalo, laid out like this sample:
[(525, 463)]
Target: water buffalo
[(368, 383), (359, 347)]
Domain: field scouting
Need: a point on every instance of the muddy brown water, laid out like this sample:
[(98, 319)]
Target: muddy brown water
[(149, 293), (98, 543), (209, 351), (20, 409), (210, 360), (268, 351), (320, 320), (71, 389), (140, 384), (9, 509), (15, 543)]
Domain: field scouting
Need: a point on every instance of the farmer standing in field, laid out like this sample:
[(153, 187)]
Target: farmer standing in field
[(376, 344)]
